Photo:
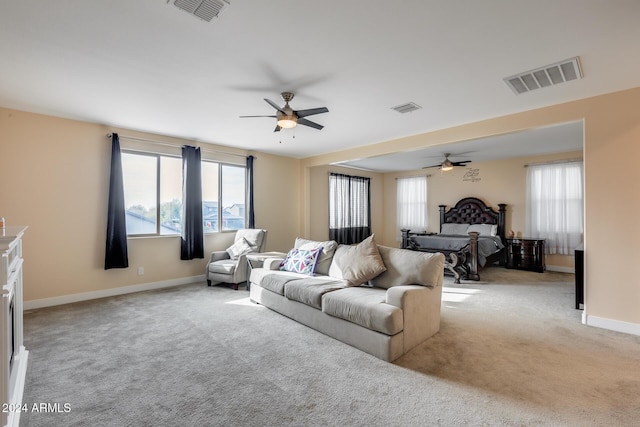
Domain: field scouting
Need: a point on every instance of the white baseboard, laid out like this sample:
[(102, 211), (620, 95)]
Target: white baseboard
[(67, 299), (560, 269), (613, 325)]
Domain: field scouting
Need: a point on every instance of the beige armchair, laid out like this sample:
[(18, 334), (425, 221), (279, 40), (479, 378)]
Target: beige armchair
[(223, 268)]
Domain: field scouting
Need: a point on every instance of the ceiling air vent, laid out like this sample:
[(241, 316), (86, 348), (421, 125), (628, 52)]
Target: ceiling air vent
[(406, 108), (203, 9), (549, 75)]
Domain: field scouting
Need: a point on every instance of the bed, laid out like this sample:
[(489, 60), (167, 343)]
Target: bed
[(472, 235)]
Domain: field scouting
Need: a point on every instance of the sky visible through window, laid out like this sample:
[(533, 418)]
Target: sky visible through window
[(140, 182)]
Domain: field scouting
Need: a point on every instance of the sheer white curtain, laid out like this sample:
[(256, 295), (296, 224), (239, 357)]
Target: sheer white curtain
[(411, 204), (555, 205)]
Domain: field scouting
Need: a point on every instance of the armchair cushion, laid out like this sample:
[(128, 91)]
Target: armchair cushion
[(225, 266), (239, 247)]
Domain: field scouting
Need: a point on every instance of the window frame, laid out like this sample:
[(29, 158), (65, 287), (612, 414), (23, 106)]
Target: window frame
[(220, 192), (158, 156), (560, 240), (405, 206)]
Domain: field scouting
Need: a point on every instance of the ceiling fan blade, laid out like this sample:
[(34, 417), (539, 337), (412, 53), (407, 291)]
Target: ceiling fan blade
[(309, 123), (244, 117), (274, 105), (439, 165), (311, 112), (277, 129), (462, 163)]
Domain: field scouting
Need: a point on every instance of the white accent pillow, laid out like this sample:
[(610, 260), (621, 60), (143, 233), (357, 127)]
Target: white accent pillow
[(484, 229), (455, 229), (239, 248)]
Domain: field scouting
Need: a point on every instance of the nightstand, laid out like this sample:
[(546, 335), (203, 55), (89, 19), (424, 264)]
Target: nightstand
[(525, 254)]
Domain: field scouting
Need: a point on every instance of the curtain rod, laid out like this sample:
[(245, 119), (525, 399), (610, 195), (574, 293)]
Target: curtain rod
[(109, 135), (552, 162), (412, 176)]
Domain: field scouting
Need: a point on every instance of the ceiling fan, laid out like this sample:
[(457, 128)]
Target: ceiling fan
[(287, 117), (447, 164)]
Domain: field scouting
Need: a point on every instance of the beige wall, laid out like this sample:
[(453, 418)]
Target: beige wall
[(499, 181), (612, 132), (54, 176)]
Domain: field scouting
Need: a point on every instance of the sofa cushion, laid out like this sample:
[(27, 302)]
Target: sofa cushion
[(224, 266), (366, 307), (274, 281), (357, 263), (309, 291), (301, 261), (328, 249), (405, 267)]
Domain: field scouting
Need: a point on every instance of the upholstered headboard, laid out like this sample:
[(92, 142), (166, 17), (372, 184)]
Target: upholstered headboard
[(472, 210)]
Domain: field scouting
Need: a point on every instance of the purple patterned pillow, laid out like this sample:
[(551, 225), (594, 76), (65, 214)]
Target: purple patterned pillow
[(301, 261)]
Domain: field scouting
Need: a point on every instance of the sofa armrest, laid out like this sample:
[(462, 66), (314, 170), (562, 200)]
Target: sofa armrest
[(218, 255), (272, 263), (421, 310)]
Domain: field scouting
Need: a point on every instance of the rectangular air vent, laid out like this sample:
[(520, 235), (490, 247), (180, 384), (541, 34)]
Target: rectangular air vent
[(549, 75), (406, 108), (203, 9)]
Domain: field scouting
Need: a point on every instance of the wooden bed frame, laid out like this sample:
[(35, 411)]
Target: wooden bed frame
[(464, 262)]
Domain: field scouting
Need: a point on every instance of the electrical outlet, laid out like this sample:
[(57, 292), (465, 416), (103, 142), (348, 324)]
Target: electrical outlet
[(140, 271)]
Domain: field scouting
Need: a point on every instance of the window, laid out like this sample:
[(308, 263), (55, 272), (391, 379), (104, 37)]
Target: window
[(555, 205), (153, 194), (349, 208), (223, 185), (411, 199)]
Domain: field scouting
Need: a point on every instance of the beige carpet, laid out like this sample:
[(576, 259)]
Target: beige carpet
[(511, 352)]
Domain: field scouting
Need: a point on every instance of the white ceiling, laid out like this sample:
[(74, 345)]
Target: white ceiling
[(560, 138), (146, 65)]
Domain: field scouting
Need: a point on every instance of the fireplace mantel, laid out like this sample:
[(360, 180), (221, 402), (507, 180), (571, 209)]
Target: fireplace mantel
[(13, 355)]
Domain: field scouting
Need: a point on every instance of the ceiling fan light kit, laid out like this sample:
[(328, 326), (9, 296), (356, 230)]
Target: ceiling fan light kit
[(446, 165), (287, 121)]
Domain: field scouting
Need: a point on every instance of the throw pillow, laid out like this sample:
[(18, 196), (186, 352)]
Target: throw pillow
[(253, 236), (357, 264), (454, 229), (328, 249), (239, 248), (302, 261)]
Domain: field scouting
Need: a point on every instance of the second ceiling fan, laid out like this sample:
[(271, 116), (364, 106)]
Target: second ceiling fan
[(447, 164), (287, 117)]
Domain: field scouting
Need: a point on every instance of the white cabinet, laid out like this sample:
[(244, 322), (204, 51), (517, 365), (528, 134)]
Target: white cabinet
[(13, 356)]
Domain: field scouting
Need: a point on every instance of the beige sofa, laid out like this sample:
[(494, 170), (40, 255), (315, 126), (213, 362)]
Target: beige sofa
[(381, 300)]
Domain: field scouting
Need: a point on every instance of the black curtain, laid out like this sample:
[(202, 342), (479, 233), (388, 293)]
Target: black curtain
[(251, 221), (116, 255), (349, 208), (192, 245)]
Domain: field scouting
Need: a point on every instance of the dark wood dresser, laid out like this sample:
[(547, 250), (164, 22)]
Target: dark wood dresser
[(525, 254)]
